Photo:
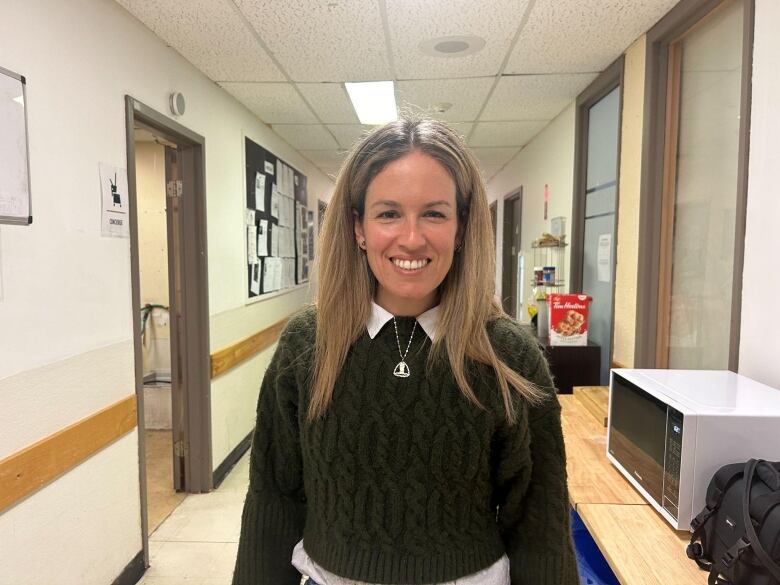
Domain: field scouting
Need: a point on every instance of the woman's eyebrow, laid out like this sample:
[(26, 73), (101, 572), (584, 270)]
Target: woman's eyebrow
[(387, 202), (391, 203)]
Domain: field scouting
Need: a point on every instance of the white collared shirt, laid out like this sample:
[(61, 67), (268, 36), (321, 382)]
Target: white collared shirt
[(429, 320)]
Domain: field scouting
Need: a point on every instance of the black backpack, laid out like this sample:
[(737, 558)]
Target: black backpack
[(736, 537)]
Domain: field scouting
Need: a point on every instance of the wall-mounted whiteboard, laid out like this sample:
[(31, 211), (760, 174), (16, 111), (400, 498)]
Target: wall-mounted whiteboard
[(14, 169)]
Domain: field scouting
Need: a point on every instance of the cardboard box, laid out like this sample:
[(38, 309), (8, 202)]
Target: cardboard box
[(568, 319)]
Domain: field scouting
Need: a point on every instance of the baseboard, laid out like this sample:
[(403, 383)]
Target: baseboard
[(220, 473), (157, 376), (133, 571)]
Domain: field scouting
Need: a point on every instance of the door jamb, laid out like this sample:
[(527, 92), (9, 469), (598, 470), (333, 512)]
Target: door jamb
[(196, 356)]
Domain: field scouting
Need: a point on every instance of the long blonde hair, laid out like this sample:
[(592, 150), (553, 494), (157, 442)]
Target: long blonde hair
[(466, 296)]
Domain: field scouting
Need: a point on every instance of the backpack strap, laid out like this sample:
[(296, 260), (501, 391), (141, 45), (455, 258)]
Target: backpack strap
[(750, 530), (763, 505), (721, 482)]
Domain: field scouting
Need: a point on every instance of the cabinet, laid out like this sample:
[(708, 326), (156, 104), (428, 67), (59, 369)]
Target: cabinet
[(573, 365)]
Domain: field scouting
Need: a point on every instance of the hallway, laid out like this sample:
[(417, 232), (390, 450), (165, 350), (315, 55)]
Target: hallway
[(197, 543)]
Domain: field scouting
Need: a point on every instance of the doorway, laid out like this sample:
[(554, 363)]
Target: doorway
[(513, 216), (157, 256), (170, 309), (596, 205)]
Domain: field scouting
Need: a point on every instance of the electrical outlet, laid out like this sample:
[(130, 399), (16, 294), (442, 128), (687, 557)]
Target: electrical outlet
[(160, 317)]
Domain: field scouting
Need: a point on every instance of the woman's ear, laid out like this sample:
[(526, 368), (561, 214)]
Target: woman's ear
[(359, 233)]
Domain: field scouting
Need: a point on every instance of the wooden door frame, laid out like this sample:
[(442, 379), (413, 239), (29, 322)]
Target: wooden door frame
[(506, 253), (671, 27), (195, 361)]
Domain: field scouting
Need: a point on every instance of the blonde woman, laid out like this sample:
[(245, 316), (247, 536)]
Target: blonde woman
[(407, 429)]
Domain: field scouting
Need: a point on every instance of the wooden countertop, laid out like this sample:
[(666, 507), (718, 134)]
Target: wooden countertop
[(592, 478), (639, 545)]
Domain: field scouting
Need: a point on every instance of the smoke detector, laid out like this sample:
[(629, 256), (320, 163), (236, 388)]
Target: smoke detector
[(453, 46)]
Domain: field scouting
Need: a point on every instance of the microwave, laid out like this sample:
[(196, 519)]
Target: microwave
[(669, 431)]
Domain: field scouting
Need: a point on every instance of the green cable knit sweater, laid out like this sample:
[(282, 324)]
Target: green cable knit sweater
[(404, 480)]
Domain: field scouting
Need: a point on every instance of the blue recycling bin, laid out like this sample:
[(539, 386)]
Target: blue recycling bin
[(592, 565)]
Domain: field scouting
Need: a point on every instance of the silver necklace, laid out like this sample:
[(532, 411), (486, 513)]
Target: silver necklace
[(402, 369)]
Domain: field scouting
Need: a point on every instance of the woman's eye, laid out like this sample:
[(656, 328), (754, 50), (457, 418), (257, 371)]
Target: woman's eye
[(436, 214), (388, 214)]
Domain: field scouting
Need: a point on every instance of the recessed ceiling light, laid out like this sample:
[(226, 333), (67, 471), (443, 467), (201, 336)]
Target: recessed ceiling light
[(450, 47), (374, 101)]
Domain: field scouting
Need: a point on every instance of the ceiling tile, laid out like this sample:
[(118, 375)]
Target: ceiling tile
[(465, 95), (331, 172), (325, 158), (273, 103), (570, 36), (534, 97), (330, 102), (488, 172), (348, 134), (462, 128), (492, 157), (412, 22), (322, 41), (305, 136), (506, 133), (192, 26)]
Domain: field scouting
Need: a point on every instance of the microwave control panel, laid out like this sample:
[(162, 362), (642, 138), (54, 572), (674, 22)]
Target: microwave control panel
[(672, 454)]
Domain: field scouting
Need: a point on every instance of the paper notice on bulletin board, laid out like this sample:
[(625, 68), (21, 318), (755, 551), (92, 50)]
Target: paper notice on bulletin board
[(260, 191), (604, 258)]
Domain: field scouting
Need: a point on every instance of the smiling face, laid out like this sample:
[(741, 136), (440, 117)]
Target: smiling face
[(409, 225)]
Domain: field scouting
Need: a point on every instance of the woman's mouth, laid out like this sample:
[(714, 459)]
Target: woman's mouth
[(410, 265)]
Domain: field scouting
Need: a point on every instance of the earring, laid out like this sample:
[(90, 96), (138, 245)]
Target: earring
[(362, 244)]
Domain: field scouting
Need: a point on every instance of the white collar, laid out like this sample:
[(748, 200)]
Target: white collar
[(429, 320)]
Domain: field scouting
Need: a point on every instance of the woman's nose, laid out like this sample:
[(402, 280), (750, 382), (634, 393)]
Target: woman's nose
[(411, 235)]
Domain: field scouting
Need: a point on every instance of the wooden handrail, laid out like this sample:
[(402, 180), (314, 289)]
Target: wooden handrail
[(229, 357), (26, 471)]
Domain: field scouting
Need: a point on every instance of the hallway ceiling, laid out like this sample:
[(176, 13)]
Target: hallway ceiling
[(286, 61)]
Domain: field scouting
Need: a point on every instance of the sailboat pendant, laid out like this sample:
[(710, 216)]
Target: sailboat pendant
[(401, 370)]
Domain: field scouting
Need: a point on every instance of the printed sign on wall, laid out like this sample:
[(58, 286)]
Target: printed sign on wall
[(115, 221)]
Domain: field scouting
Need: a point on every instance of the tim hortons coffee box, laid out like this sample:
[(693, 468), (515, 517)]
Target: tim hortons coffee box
[(568, 319)]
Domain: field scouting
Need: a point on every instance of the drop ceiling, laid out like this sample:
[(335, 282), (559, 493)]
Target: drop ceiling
[(287, 60)]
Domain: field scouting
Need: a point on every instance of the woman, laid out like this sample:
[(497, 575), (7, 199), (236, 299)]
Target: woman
[(416, 437)]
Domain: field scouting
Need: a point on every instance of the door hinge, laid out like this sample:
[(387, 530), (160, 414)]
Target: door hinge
[(174, 188), (180, 448)]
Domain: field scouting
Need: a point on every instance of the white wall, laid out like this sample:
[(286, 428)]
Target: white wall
[(759, 342), (547, 159), (65, 339)]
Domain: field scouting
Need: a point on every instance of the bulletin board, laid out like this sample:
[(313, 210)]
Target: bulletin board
[(276, 222), (15, 204)]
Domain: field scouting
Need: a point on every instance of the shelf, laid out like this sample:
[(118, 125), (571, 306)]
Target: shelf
[(537, 246)]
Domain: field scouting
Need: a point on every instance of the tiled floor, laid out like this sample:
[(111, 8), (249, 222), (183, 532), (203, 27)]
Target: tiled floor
[(198, 542), (161, 498)]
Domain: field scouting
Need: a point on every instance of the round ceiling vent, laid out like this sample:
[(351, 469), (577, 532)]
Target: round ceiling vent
[(456, 46)]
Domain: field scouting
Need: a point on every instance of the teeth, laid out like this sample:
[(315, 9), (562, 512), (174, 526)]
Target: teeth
[(410, 264)]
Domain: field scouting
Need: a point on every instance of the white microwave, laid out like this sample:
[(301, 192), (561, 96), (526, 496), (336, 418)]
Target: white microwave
[(669, 431)]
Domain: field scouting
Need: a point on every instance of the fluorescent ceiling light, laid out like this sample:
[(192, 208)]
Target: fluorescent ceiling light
[(374, 101)]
